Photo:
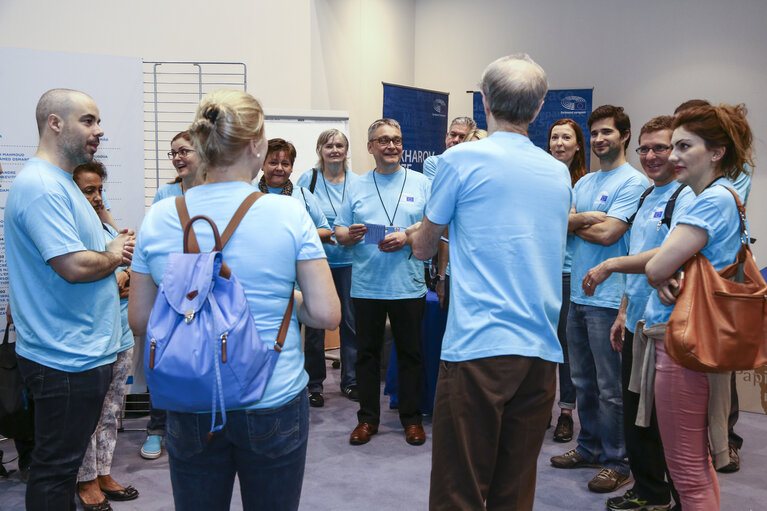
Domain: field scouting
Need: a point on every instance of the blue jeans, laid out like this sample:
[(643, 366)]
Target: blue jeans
[(266, 449), (566, 387), (67, 409), (314, 350), (596, 372)]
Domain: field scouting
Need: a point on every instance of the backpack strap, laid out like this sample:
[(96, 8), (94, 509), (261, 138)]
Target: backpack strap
[(283, 331), (314, 180), (641, 200), (190, 239), (670, 205)]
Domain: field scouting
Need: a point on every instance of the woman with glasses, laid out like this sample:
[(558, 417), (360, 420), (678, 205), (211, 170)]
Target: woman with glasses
[(328, 182), (276, 245), (566, 144), (186, 161), (710, 145)]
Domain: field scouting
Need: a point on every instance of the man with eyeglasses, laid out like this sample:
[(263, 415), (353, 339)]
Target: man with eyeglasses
[(506, 202), (649, 227), (459, 128), (386, 279), (605, 200)]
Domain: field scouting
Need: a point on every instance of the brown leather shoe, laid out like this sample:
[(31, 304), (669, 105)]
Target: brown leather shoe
[(414, 434), (362, 433)]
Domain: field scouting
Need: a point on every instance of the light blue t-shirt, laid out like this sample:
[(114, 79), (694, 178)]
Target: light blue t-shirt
[(714, 211), (274, 234), (647, 232), (330, 197), (385, 275), (617, 193), (69, 327), (168, 190), (430, 167), (507, 203), (310, 203), (742, 185), (126, 338)]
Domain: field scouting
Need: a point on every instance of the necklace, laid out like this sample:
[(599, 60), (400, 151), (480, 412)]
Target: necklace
[(391, 219), (343, 193)]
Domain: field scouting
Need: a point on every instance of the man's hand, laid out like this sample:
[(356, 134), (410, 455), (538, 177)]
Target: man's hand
[(123, 246), (123, 283), (593, 217), (357, 232), (618, 332), (392, 242), (326, 236), (596, 276)]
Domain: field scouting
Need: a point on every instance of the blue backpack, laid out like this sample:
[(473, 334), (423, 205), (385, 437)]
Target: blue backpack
[(202, 350)]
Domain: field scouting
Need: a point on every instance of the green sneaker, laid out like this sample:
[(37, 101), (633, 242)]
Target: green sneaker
[(632, 500)]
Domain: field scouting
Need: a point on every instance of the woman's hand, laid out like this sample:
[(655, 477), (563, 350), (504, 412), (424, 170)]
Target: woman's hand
[(668, 290)]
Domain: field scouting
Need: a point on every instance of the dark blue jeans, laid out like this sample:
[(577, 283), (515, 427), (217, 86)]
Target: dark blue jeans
[(67, 410), (596, 371), (266, 449), (314, 347), (566, 387)]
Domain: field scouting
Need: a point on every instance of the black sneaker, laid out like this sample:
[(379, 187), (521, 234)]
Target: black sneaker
[(316, 399), (632, 500), (351, 392), (564, 430), (734, 464)]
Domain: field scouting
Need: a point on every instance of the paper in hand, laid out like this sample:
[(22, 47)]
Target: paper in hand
[(377, 232)]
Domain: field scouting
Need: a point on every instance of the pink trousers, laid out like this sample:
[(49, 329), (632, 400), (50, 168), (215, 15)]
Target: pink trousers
[(681, 402)]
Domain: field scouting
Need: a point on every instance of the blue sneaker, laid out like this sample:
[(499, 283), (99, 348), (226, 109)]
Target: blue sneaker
[(152, 448)]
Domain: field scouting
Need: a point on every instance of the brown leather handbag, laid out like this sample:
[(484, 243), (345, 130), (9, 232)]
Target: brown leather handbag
[(719, 322)]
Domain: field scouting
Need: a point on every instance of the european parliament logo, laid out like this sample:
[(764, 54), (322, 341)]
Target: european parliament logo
[(574, 103)]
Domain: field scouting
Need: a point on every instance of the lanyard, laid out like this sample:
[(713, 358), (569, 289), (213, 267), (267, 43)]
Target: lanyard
[(343, 193), (391, 219)]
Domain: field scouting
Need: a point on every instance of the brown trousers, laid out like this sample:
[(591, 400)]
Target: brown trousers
[(490, 416)]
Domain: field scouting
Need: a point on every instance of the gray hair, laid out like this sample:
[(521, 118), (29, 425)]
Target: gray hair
[(514, 87), (325, 137), (54, 101), (464, 121), (382, 122)]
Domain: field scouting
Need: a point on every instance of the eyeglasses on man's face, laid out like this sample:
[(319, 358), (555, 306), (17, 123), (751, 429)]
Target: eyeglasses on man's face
[(385, 141), (657, 149)]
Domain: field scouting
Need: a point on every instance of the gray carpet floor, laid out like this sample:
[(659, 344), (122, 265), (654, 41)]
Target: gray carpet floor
[(389, 474)]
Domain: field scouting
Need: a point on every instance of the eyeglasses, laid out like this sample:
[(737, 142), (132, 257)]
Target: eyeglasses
[(657, 149), (183, 152), (385, 141)]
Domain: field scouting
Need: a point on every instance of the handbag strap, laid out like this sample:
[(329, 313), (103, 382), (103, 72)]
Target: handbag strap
[(190, 239), (283, 331), (744, 251)]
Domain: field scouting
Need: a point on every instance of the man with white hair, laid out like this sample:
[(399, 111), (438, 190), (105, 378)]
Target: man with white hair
[(459, 128), (63, 294), (500, 350)]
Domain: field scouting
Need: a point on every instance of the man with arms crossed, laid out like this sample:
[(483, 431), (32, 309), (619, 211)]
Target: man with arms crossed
[(497, 377), (651, 491), (604, 202), (386, 279), (63, 294)]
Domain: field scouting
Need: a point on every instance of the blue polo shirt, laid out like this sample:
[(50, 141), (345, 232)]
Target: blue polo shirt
[(274, 234), (507, 203), (168, 190), (617, 193), (330, 197), (399, 199), (647, 233), (714, 211), (69, 327)]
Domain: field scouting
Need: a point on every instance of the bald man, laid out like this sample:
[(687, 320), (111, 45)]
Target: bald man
[(63, 294)]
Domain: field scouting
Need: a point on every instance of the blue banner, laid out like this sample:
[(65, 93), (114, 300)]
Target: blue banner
[(422, 114), (575, 104)]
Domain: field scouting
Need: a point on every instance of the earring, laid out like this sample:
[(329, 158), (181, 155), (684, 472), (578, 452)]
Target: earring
[(258, 155)]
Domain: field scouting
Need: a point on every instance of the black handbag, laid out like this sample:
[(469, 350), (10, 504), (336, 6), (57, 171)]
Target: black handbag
[(16, 414)]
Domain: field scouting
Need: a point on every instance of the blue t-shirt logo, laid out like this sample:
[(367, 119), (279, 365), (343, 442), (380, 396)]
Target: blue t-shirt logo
[(657, 214), (602, 198)]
